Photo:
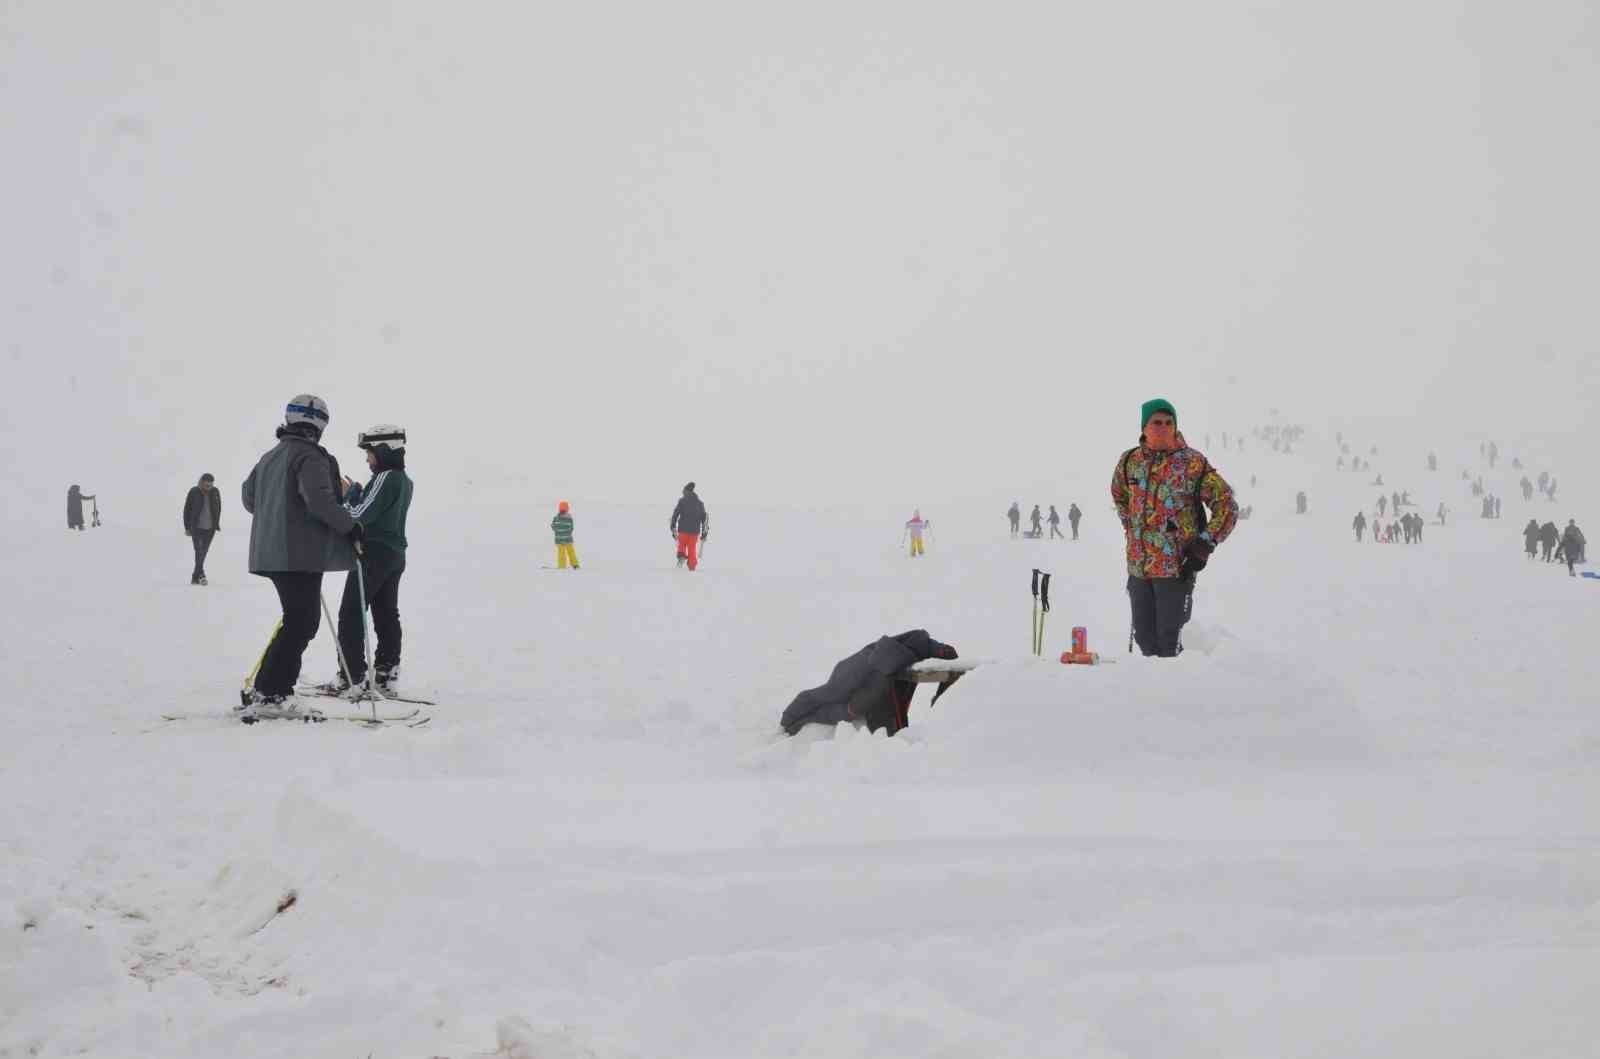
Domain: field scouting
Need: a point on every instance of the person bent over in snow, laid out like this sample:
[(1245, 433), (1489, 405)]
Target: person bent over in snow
[(869, 688), (380, 508), (1161, 490), (299, 532)]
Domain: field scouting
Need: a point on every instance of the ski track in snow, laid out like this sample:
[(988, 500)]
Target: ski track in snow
[(1357, 818)]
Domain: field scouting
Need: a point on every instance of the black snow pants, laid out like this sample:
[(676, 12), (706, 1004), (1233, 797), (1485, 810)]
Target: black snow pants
[(301, 597), (1161, 606), (202, 545), (382, 568)]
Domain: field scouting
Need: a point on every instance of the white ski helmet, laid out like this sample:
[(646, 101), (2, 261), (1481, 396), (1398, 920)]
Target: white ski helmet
[(307, 408), (382, 436)]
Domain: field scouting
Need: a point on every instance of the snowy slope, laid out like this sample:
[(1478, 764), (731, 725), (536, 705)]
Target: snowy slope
[(1357, 818)]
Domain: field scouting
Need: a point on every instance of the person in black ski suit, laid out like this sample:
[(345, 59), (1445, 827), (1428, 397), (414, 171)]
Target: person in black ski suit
[(868, 688), (299, 532), (689, 526), (1036, 519), (1549, 537), (1359, 525), (202, 520), (1530, 537), (75, 499), (1074, 516)]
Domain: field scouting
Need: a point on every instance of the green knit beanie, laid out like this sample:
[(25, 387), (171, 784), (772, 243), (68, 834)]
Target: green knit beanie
[(1154, 405)]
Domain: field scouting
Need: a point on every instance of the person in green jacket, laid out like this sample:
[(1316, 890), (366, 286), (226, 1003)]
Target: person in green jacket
[(381, 508), (562, 525)]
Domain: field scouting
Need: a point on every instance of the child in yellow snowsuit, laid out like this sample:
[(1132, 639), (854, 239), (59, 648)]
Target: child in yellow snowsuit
[(915, 528), (562, 525)]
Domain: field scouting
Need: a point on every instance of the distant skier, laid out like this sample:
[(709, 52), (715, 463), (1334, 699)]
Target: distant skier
[(1383, 505), (1036, 520), (561, 526), (689, 526), (202, 520), (1416, 528), (1494, 454), (914, 529), (1527, 489), (1544, 481), (1074, 516), (1161, 489), (1394, 499), (1549, 537), (75, 499), (299, 532), (1014, 514), (1300, 502), (1572, 547), (1433, 461), (1498, 503), (1551, 492), (1359, 525), (1055, 524), (1442, 512), (1530, 537)]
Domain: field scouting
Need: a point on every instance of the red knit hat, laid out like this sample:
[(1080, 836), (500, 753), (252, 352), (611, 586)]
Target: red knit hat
[(563, 508)]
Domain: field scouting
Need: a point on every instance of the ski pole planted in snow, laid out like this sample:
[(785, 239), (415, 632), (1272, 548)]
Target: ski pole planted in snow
[(1033, 633), (1044, 611)]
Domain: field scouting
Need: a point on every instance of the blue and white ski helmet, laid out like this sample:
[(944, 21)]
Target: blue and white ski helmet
[(307, 408)]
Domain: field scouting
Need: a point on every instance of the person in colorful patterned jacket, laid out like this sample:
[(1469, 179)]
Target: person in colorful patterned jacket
[(1162, 489), (561, 525)]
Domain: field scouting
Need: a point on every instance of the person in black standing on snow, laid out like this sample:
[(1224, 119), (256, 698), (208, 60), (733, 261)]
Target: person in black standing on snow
[(381, 508), (689, 526), (202, 520), (299, 532), (75, 499), (1074, 516), (1013, 515), (1037, 519)]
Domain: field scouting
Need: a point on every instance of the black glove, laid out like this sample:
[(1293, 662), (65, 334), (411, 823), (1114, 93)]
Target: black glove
[(1195, 557), (357, 535)]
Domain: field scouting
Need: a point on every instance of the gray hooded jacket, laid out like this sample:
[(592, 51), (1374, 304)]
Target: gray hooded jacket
[(299, 525)]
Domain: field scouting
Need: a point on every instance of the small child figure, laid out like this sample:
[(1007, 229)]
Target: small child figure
[(562, 525)]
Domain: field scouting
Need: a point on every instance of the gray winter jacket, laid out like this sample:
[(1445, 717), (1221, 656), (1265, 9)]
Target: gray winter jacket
[(299, 525)]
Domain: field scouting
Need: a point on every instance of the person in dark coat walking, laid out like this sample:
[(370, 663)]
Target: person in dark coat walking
[(202, 520), (1359, 525), (689, 526), (75, 499), (1035, 519), (1549, 537), (299, 532), (1014, 516), (1074, 516), (1530, 537), (1055, 524)]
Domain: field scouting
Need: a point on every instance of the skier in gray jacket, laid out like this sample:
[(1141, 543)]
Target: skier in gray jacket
[(299, 532)]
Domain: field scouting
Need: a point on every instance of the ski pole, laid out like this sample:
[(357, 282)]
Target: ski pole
[(344, 666), (366, 640), (1034, 588), (250, 677), (1044, 611)]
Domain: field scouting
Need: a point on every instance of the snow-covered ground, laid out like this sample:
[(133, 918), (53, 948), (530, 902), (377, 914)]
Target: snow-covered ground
[(1357, 818)]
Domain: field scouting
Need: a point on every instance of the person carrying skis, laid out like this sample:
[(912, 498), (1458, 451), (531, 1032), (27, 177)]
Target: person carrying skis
[(380, 511), (1055, 524), (1074, 516), (561, 525), (1035, 520), (1359, 525), (1161, 489), (914, 530), (75, 499), (1014, 514), (202, 520), (689, 526), (298, 532)]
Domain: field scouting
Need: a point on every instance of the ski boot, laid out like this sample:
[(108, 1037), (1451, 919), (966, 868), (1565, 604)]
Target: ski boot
[(387, 681), (277, 708), (338, 687)]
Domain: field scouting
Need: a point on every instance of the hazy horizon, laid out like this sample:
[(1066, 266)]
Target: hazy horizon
[(793, 256)]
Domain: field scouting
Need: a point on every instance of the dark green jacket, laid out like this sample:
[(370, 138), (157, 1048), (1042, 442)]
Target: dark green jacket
[(562, 524), (383, 507)]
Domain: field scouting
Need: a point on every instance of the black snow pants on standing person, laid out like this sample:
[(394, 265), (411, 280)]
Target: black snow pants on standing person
[(300, 594), (1161, 606), (381, 567)]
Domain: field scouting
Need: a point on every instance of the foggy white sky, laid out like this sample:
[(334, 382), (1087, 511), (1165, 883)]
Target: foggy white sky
[(785, 253)]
